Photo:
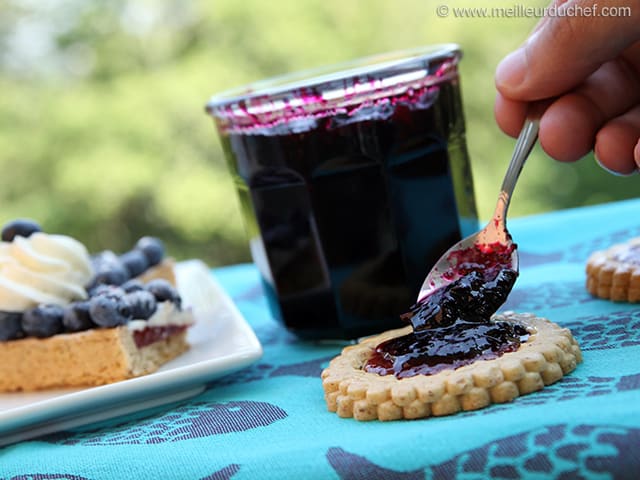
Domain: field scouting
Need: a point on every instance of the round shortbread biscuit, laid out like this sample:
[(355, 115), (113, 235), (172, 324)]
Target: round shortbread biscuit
[(614, 273), (549, 353)]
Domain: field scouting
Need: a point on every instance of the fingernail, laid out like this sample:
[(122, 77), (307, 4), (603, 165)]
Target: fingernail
[(599, 162), (607, 169), (512, 70)]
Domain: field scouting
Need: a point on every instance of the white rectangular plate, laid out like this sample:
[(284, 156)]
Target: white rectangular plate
[(221, 342)]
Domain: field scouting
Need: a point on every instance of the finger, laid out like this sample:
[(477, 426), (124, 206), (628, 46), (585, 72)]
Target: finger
[(567, 48), (509, 115), (566, 131), (569, 127), (545, 19), (617, 142)]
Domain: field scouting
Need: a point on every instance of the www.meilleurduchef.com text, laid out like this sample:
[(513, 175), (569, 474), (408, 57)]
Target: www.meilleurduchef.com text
[(527, 11)]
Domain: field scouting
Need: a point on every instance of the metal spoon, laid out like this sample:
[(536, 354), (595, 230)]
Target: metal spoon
[(495, 233)]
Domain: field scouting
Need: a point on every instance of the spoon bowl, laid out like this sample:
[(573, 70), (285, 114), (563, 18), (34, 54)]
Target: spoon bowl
[(492, 246)]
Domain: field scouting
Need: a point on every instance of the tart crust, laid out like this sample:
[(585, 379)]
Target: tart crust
[(92, 357), (548, 354), (612, 275)]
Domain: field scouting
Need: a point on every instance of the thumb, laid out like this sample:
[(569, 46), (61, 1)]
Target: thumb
[(573, 40)]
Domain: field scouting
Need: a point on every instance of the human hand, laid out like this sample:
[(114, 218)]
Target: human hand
[(590, 67)]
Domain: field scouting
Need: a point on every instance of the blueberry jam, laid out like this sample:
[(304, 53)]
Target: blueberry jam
[(431, 351), (473, 297), (149, 335), (341, 198), (487, 258), (452, 327)]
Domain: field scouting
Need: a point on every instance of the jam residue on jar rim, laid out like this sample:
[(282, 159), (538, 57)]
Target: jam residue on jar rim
[(397, 77)]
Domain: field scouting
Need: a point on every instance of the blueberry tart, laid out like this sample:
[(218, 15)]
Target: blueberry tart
[(71, 319)]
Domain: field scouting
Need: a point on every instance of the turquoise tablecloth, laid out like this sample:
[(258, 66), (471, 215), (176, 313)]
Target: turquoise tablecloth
[(270, 420)]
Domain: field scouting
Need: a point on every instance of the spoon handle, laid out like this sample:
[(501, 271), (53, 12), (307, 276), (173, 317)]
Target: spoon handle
[(524, 144)]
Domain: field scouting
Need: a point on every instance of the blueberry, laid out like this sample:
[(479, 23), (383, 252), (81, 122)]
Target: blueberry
[(152, 248), (109, 310), (164, 291), (43, 321), (110, 277), (22, 226), (77, 318), (10, 326), (132, 285), (106, 289), (142, 303), (108, 269), (104, 259), (105, 256), (135, 262)]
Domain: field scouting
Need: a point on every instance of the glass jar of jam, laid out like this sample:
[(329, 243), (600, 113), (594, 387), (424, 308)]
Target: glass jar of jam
[(352, 181)]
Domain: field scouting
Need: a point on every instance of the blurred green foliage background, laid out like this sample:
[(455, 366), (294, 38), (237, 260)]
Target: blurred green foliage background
[(103, 134)]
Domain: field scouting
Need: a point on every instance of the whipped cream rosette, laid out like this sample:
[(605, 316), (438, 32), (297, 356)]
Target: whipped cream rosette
[(42, 269)]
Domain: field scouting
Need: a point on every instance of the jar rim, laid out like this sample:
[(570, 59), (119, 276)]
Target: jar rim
[(371, 67)]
